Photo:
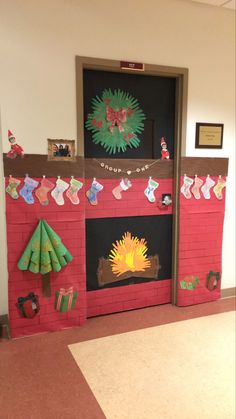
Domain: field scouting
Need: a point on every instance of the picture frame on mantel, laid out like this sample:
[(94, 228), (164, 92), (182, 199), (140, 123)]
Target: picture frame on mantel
[(61, 150), (209, 135)]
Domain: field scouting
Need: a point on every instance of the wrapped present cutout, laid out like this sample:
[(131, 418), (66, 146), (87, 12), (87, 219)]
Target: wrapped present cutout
[(28, 306), (190, 282), (65, 299)]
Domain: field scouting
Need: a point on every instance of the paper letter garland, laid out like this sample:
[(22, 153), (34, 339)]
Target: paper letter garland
[(116, 120)]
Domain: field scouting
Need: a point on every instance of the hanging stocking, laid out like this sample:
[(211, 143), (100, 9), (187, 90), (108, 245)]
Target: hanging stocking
[(219, 187), (43, 190), (149, 191), (11, 188), (57, 193), (93, 191), (27, 191), (71, 193), (207, 186), (197, 185), (124, 185), (185, 188)]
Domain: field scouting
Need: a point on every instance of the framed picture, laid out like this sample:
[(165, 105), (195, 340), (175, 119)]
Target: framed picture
[(209, 135), (61, 150)]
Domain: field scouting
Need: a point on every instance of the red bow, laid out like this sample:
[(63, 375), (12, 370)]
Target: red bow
[(117, 118)]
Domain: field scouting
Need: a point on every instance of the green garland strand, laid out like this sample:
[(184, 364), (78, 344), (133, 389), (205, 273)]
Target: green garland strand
[(116, 121)]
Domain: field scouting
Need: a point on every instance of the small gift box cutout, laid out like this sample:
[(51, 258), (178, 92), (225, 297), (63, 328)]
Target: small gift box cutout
[(190, 282), (65, 299), (28, 306)]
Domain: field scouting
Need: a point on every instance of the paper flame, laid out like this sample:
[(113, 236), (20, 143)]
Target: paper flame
[(129, 254)]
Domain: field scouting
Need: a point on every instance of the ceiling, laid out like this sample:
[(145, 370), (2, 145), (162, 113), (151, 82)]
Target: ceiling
[(228, 4)]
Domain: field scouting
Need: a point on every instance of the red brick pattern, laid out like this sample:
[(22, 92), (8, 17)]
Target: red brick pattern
[(112, 300), (200, 244), (68, 222), (201, 228)]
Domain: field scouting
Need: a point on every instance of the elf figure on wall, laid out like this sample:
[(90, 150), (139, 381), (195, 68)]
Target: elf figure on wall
[(165, 155), (16, 149)]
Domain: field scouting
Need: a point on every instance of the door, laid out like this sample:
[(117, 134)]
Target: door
[(137, 213)]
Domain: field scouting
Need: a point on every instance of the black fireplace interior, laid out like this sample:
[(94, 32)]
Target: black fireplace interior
[(101, 233)]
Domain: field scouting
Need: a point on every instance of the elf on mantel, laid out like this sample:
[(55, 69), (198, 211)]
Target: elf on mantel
[(165, 155), (16, 149)]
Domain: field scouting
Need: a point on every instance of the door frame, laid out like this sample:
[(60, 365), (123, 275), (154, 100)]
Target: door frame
[(181, 76)]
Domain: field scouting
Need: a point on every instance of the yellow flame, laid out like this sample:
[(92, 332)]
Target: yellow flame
[(129, 254)]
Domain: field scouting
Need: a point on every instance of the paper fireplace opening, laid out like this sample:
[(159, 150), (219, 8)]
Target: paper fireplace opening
[(127, 259), (127, 250)]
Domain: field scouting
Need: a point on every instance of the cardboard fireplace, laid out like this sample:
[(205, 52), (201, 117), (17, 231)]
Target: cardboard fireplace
[(128, 222)]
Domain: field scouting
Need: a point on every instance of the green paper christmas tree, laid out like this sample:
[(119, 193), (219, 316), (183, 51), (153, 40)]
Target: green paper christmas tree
[(44, 253), (116, 121)]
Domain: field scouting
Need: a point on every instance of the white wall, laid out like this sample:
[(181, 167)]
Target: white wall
[(38, 44)]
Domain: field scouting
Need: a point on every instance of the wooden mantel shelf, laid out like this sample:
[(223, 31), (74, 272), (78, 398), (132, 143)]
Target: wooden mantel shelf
[(37, 165)]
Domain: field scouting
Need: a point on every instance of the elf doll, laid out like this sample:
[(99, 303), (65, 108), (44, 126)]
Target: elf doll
[(16, 150), (164, 152)]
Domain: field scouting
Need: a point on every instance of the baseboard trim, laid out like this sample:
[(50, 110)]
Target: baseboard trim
[(4, 327), (228, 292)]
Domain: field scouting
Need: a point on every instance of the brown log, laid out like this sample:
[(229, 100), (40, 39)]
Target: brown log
[(106, 276), (46, 285)]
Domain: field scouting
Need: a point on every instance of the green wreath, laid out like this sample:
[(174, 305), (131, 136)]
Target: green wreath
[(212, 280), (116, 120)]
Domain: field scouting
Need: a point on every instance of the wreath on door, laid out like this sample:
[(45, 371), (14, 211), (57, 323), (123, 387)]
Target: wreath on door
[(116, 121)]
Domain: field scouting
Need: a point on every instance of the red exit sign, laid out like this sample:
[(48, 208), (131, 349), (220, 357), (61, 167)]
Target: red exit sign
[(131, 66)]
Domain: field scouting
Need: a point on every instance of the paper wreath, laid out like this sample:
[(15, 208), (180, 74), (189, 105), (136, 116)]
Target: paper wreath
[(28, 306), (116, 120), (212, 280)]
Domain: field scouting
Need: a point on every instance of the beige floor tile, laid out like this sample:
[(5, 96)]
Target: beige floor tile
[(182, 370)]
